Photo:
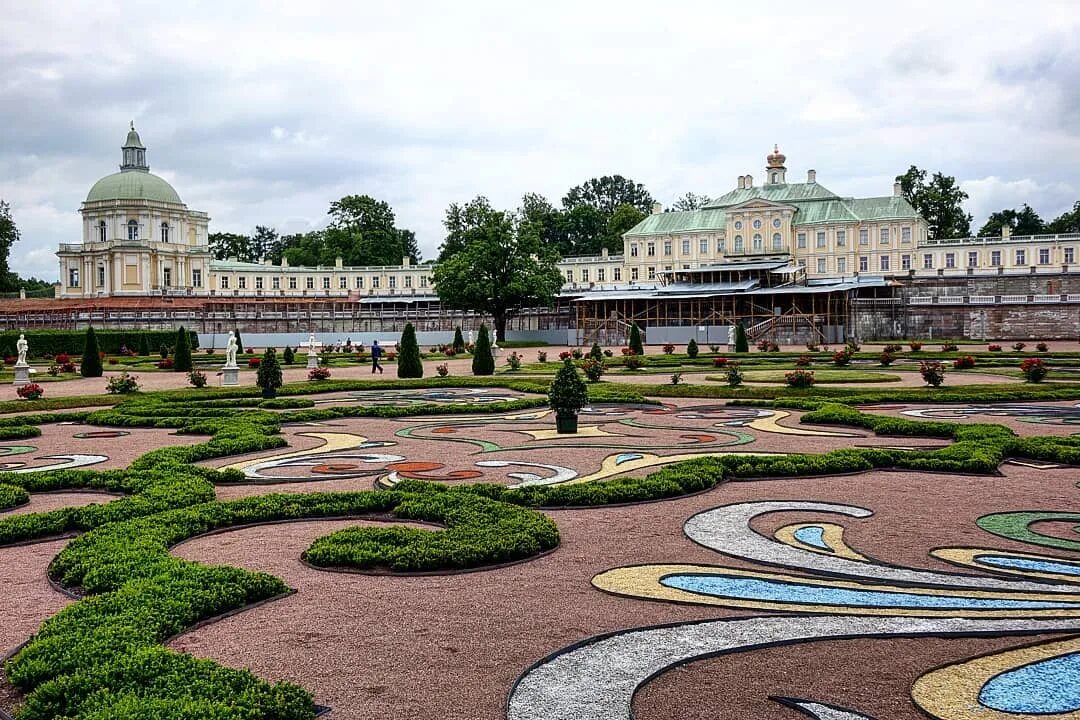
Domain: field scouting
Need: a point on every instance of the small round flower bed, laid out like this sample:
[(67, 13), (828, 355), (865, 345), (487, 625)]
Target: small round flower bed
[(319, 373)]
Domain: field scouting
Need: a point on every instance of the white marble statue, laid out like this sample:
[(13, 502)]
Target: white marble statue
[(22, 346), (311, 344), (230, 351)]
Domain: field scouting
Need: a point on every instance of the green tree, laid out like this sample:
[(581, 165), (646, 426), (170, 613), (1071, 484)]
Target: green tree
[(607, 193), (692, 348), (459, 341), (182, 353), (583, 229), (1024, 221), (624, 218), (742, 345), (91, 357), (1067, 222), (263, 242), (690, 201), (288, 356), (409, 364), (239, 341), (547, 222), (635, 340), (483, 362), (461, 222), (268, 376), (596, 353), (230, 245), (567, 394), (144, 345), (500, 268), (938, 201), (9, 235), (362, 231)]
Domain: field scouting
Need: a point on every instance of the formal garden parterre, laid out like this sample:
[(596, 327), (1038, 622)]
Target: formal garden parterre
[(725, 532)]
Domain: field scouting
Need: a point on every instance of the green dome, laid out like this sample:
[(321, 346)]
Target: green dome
[(133, 185)]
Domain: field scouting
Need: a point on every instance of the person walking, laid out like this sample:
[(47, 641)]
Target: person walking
[(376, 353)]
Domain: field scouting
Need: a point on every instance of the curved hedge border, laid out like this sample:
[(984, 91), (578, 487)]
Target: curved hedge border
[(12, 497)]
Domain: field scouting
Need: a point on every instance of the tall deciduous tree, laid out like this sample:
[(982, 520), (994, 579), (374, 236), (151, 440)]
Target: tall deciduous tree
[(231, 245), (500, 266), (939, 201), (9, 235), (624, 218), (690, 201), (609, 192), (1067, 222), (547, 221), (1024, 221)]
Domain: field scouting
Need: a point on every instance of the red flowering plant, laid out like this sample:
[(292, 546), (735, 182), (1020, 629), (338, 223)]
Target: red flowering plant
[(719, 361), (669, 349), (30, 392), (319, 373), (1034, 370), (804, 361), (626, 351), (166, 364), (964, 363), (994, 348), (564, 355), (932, 372), (252, 362), (842, 357), (799, 378)]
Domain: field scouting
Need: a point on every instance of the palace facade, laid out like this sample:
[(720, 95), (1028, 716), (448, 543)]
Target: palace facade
[(140, 239)]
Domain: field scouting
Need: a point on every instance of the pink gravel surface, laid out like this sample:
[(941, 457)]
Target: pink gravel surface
[(28, 599)]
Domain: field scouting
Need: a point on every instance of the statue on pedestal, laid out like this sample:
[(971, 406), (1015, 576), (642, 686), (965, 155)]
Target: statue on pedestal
[(22, 346), (311, 344), (230, 351)]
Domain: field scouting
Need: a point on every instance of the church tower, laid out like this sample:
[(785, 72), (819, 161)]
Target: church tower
[(774, 168), (134, 153)]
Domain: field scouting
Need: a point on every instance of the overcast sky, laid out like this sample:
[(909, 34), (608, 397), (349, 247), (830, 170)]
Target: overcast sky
[(264, 115)]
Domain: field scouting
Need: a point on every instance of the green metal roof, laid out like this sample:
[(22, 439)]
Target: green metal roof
[(824, 212), (882, 208), (133, 140), (678, 222), (133, 185), (781, 193)]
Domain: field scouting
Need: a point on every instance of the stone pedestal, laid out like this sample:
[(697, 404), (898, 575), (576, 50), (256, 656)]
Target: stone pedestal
[(22, 375), (230, 376), (312, 361)]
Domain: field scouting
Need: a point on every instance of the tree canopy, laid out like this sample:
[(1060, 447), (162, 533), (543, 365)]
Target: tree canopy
[(1024, 221), (494, 262), (939, 201), (1067, 222), (9, 235), (690, 201), (607, 193)]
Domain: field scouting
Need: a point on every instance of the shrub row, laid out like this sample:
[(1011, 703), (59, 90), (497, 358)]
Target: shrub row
[(54, 342)]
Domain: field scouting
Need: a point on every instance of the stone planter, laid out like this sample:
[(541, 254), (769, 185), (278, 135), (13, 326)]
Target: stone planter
[(566, 424)]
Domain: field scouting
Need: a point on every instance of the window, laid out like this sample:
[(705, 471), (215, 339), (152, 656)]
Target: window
[(633, 273), (995, 258), (633, 249), (841, 238), (423, 281), (584, 275), (326, 283), (391, 282), (359, 282), (777, 241), (166, 277), (884, 236), (864, 236), (164, 232), (776, 223), (905, 262), (703, 246), (310, 283), (101, 276), (720, 245), (905, 234), (821, 239), (800, 240), (652, 273), (686, 266), (685, 247), (667, 247), (841, 264), (757, 242), (133, 230), (757, 224), (343, 282), (275, 283), (928, 261), (1021, 257), (600, 274), (883, 263), (738, 244), (821, 264), (258, 283), (292, 283), (375, 283), (973, 259), (774, 177), (650, 249), (950, 260), (196, 278), (224, 282), (408, 281), (73, 277), (1069, 255), (617, 274), (102, 235), (569, 276), (241, 282), (738, 224), (1044, 256), (864, 263)]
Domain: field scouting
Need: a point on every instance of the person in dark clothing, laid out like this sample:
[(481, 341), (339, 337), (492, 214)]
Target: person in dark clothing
[(376, 353)]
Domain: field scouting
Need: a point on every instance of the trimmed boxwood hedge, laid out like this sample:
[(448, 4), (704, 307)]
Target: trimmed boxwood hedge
[(54, 342)]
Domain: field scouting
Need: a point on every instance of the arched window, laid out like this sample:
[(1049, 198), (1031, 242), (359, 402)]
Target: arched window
[(165, 232), (774, 176), (738, 243), (776, 241), (133, 229), (102, 232), (757, 241)]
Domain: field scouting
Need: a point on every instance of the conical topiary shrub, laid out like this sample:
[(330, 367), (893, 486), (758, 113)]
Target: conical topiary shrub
[(91, 357), (483, 362), (596, 353), (144, 345), (288, 356), (459, 341), (566, 396), (691, 348), (409, 364), (635, 340), (268, 376), (742, 345), (182, 354)]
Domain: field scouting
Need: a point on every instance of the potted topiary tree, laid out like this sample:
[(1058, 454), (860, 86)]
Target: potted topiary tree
[(268, 376), (409, 364), (566, 396)]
